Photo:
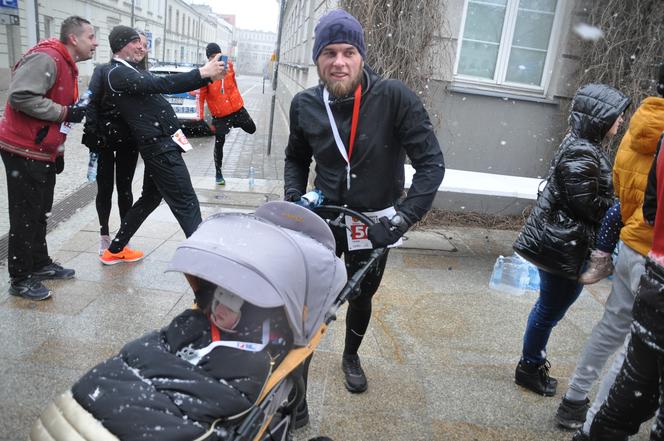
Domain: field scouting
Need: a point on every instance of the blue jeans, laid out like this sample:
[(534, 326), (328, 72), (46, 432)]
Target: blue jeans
[(556, 296)]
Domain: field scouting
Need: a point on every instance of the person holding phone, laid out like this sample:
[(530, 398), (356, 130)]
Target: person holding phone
[(226, 106), (137, 96)]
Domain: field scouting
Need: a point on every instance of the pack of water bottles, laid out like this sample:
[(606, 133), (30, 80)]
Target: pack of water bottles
[(514, 275)]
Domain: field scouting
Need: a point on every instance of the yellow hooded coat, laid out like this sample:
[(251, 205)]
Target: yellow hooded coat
[(630, 171)]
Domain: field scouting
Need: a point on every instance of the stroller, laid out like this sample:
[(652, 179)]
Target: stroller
[(182, 383)]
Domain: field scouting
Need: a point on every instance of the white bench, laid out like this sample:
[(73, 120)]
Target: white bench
[(489, 184)]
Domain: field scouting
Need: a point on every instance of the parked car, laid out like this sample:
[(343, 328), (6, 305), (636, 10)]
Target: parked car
[(186, 104)]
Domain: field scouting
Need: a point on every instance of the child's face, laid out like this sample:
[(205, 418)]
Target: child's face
[(224, 317)]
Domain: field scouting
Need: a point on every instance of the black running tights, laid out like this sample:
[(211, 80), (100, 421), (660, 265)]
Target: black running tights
[(118, 166)]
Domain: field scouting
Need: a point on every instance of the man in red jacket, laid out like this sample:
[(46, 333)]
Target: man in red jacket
[(40, 108), (227, 109)]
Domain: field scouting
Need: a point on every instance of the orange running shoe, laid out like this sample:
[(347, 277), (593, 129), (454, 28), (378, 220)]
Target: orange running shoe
[(126, 255)]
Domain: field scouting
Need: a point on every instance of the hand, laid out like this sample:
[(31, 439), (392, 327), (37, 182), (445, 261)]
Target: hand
[(91, 140), (213, 69), (59, 164), (387, 231), (75, 114), (292, 195)]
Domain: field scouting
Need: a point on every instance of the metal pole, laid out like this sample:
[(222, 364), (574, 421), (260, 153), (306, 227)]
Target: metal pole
[(37, 19), (163, 49), (282, 12), (198, 38), (133, 2)]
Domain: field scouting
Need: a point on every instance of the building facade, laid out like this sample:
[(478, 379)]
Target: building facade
[(254, 52), (503, 79), (177, 31)]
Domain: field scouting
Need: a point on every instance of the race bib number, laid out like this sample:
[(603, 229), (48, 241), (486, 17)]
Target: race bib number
[(181, 140), (357, 232), (65, 127)]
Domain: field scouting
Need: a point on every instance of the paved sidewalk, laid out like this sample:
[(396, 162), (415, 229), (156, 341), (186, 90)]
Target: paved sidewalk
[(439, 354)]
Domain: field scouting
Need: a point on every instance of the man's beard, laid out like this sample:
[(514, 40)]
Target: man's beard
[(341, 89)]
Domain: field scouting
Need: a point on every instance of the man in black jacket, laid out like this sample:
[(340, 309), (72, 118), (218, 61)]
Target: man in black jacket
[(136, 95), (366, 172)]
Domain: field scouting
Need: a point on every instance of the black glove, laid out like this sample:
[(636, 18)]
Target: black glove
[(75, 114), (387, 231), (292, 195), (59, 164), (91, 140)]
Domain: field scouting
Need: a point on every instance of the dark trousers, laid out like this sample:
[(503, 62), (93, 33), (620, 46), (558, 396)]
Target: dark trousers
[(30, 185), (634, 396), (223, 125), (358, 314), (166, 176), (557, 294), (114, 167)]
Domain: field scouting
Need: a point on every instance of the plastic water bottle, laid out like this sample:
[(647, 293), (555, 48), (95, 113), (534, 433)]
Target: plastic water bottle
[(497, 273), (85, 99), (312, 199), (533, 278), (252, 176), (510, 275), (92, 167)]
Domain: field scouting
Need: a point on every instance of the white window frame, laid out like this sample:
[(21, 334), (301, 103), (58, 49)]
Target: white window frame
[(509, 24)]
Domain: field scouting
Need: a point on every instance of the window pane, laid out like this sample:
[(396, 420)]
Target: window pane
[(533, 30), (478, 59), (526, 66), (484, 22), (538, 5)]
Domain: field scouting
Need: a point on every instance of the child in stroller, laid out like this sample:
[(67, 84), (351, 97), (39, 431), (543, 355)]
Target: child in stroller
[(209, 374)]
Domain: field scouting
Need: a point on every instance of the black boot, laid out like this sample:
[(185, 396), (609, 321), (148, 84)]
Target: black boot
[(536, 378), (301, 415), (571, 414)]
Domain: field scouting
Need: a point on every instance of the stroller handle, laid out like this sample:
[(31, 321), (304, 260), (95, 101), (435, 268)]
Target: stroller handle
[(356, 278)]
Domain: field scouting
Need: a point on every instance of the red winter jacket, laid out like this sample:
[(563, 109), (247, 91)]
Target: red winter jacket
[(221, 104), (18, 130)]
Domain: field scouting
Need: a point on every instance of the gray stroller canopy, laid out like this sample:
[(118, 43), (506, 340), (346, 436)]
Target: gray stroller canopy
[(282, 255)]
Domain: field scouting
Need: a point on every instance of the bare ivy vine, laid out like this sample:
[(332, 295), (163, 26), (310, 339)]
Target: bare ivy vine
[(401, 38), (628, 54)]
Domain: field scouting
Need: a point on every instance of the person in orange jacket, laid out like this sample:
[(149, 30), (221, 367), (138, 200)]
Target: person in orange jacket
[(227, 109)]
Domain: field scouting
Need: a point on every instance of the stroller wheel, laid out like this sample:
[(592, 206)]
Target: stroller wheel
[(321, 438)]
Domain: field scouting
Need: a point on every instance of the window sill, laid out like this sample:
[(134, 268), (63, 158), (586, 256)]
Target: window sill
[(508, 94)]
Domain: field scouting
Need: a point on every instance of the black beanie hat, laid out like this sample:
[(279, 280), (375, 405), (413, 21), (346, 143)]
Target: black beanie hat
[(120, 36), (338, 26), (211, 49)]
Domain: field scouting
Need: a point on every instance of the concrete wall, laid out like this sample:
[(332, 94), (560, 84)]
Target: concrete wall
[(181, 38)]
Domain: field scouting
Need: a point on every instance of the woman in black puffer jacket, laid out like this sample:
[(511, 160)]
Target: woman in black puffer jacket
[(564, 222)]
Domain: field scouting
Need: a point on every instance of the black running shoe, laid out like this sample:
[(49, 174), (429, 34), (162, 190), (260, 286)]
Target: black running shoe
[(53, 271), (536, 378), (301, 415), (30, 289), (356, 381), (571, 414)]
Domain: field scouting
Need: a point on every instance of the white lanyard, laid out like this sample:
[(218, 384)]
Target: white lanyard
[(194, 356), (125, 63), (337, 138)]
